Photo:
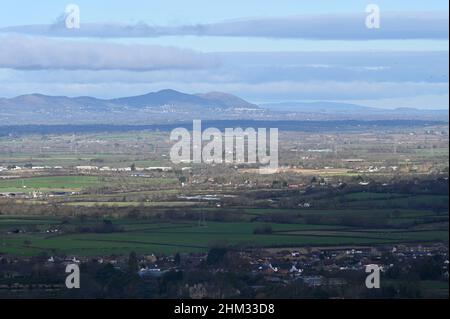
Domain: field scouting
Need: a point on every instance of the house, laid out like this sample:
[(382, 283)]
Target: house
[(295, 270), (38, 168), (87, 168)]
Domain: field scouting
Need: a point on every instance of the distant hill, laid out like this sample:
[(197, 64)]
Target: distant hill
[(161, 98), (353, 111), (317, 107), (153, 99), (227, 100), (168, 106), (153, 107), (179, 99)]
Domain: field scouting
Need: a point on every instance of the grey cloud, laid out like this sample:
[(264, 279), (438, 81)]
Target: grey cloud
[(394, 25), (29, 53), (261, 67), (340, 27), (264, 76)]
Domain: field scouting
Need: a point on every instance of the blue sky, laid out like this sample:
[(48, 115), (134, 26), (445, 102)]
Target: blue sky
[(19, 12), (264, 51)]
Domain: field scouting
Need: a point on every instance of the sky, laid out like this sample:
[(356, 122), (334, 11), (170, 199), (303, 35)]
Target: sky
[(264, 51)]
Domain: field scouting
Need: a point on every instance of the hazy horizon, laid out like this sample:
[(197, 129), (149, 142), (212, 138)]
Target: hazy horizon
[(390, 104)]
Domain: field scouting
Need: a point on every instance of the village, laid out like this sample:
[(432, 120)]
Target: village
[(326, 268)]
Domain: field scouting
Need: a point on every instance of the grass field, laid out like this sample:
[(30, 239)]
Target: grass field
[(76, 183), (151, 237), (393, 222), (54, 183)]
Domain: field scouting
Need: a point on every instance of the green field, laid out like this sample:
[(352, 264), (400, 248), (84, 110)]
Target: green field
[(53, 183), (151, 237), (148, 217), (76, 183), (173, 226)]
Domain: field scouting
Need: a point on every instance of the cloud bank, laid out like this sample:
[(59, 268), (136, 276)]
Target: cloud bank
[(30, 53)]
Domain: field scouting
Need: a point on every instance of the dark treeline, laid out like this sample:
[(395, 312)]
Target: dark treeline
[(296, 126)]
